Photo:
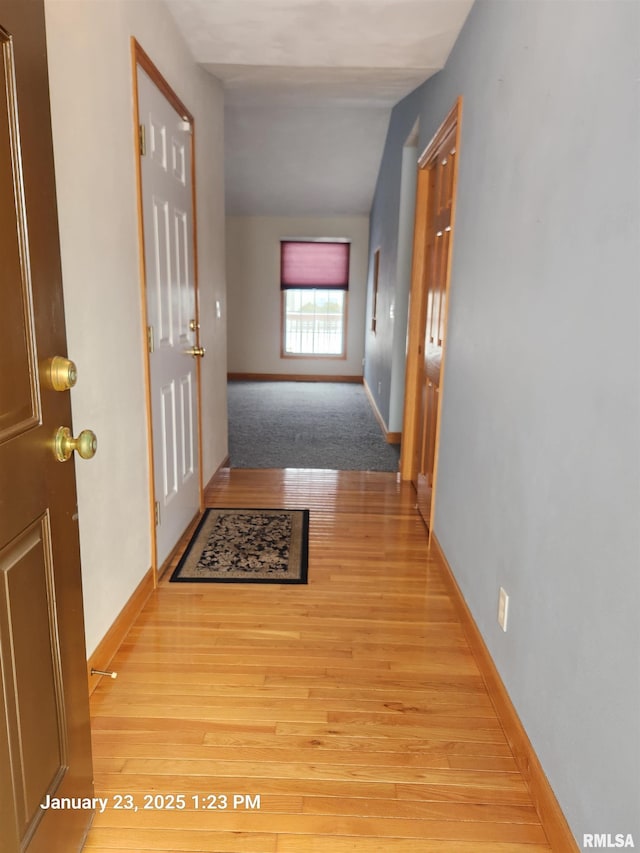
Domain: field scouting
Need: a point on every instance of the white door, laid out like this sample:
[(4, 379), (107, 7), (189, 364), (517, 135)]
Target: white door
[(171, 312)]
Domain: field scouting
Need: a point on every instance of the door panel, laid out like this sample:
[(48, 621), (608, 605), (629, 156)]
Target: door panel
[(31, 662), (187, 408), (45, 747), (160, 265), (171, 312), (168, 444), (18, 388)]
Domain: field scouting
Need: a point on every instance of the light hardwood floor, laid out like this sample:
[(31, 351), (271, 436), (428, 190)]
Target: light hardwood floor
[(352, 706)]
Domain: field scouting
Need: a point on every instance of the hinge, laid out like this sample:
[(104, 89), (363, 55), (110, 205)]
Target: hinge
[(156, 512), (150, 338), (142, 139)]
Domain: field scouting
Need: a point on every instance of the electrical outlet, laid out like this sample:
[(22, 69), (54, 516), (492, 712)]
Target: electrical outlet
[(503, 609)]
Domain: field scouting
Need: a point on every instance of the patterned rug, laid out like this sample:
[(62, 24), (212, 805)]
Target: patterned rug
[(247, 546)]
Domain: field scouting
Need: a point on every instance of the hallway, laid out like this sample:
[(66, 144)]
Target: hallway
[(352, 706)]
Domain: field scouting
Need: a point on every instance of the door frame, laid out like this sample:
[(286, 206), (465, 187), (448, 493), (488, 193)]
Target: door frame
[(140, 59), (418, 305)]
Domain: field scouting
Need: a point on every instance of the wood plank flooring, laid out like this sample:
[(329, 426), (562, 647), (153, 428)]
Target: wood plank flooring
[(350, 709)]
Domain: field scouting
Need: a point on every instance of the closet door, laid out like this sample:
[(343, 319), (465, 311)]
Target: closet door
[(440, 163)]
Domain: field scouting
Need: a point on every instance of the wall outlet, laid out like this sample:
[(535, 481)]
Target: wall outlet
[(503, 609)]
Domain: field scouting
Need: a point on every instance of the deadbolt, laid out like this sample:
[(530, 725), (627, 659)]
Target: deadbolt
[(196, 352), (64, 444), (193, 325), (63, 374)]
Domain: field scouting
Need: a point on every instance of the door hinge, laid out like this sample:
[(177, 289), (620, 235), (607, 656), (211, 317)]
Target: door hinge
[(142, 139), (150, 338), (156, 513)]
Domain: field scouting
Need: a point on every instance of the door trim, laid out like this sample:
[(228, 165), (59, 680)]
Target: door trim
[(418, 309), (140, 59)]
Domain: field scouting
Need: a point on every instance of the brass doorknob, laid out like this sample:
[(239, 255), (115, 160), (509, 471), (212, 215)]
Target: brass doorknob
[(196, 352), (64, 444), (63, 374)]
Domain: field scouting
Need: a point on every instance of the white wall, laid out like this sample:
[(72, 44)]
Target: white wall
[(91, 102), (253, 273)]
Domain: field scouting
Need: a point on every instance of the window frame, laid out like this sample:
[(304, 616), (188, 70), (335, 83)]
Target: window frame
[(283, 301), (323, 356)]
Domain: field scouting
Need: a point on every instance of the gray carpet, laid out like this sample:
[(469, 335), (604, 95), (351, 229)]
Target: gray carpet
[(306, 425)]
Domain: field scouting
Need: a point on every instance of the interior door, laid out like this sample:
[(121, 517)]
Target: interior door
[(167, 206), (45, 748), (440, 164)]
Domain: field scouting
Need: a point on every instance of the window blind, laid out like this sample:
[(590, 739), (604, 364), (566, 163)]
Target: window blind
[(314, 264)]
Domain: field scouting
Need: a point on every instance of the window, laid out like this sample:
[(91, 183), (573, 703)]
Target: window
[(314, 279)]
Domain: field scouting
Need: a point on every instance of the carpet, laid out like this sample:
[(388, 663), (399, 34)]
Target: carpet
[(247, 546), (326, 425)]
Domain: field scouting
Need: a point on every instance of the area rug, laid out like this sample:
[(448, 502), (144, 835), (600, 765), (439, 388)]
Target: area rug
[(247, 546)]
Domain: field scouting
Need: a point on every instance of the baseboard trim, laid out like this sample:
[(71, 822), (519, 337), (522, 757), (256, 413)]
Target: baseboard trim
[(291, 377), (226, 463), (224, 468), (113, 639), (389, 437), (553, 820), (180, 545)]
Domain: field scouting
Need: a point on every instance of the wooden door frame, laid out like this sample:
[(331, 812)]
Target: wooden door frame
[(418, 304), (140, 59)]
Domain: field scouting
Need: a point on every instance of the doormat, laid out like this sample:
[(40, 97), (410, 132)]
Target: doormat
[(247, 546)]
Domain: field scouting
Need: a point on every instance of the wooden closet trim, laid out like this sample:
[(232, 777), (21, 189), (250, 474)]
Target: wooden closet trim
[(417, 316)]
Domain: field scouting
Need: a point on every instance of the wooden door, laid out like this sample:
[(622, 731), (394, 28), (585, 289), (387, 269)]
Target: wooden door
[(167, 213), (45, 749), (427, 328)]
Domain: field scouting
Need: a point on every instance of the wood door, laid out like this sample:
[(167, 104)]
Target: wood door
[(45, 748), (430, 287), (167, 213)]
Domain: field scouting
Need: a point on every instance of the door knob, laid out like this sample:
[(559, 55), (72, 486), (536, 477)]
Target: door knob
[(196, 352), (62, 373), (64, 444)]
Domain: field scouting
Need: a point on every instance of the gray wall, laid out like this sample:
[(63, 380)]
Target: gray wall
[(539, 487), (383, 235), (398, 310)]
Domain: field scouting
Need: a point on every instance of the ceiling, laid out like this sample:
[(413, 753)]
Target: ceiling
[(309, 86)]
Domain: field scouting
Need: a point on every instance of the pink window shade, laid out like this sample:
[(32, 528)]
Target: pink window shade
[(314, 265)]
